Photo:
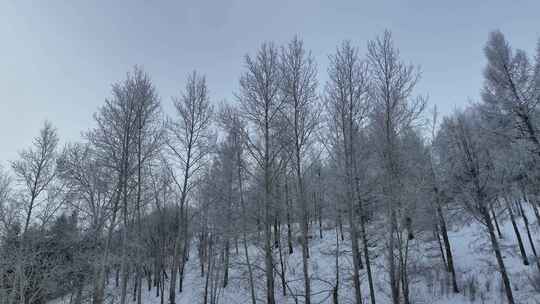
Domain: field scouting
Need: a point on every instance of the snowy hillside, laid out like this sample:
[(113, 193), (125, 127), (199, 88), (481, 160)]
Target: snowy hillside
[(478, 280)]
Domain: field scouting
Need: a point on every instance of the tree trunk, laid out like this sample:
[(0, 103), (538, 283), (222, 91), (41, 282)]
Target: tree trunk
[(394, 282), (355, 251), (527, 228), (340, 221), (496, 222), (367, 258), (437, 236), (185, 252), (518, 234), (335, 289), (226, 264), (283, 272), (448, 248), (498, 256), (174, 269), (287, 204), (244, 232)]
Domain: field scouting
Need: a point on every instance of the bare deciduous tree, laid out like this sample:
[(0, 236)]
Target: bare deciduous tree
[(298, 85), (188, 141)]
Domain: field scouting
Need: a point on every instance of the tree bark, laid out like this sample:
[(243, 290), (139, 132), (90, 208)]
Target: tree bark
[(498, 256), (527, 228), (448, 248), (517, 233), (496, 222)]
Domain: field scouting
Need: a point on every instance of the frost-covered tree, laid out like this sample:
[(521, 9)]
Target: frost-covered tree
[(298, 86), (471, 166), (395, 109), (188, 141), (261, 105), (348, 108)]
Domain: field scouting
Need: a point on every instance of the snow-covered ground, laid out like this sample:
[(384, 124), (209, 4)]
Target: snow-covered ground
[(478, 280)]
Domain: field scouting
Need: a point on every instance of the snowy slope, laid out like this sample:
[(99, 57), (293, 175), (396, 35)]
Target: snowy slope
[(478, 280)]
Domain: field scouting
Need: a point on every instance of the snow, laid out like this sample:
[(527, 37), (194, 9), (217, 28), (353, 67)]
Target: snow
[(478, 279)]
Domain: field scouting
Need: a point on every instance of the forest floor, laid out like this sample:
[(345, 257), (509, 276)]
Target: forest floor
[(477, 277)]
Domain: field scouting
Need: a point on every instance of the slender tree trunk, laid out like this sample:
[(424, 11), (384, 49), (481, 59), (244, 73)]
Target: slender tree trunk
[(208, 273), (117, 276), (403, 269), (98, 296), (340, 222), (304, 219), (355, 251), (283, 272), (276, 232), (135, 284), (226, 264), (394, 283), (269, 259), (149, 278), (496, 222), (367, 258), (526, 223), (174, 267), (437, 236), (319, 213), (185, 251), (335, 289), (498, 256), (448, 248), (244, 232), (124, 258), (517, 233), (289, 230)]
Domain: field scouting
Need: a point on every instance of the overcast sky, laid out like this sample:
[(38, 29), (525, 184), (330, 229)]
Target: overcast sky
[(58, 59)]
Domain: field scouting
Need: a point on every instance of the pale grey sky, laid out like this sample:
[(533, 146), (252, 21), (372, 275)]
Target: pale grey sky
[(59, 58)]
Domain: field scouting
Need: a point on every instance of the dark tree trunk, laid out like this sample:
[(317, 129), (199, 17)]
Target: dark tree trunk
[(498, 256), (518, 234), (367, 258), (117, 277), (496, 222), (340, 222), (437, 236), (448, 248), (527, 228), (226, 265)]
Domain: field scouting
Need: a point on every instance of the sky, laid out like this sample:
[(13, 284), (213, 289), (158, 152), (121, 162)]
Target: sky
[(58, 59)]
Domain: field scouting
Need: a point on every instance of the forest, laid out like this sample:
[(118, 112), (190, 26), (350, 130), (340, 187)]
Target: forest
[(355, 190)]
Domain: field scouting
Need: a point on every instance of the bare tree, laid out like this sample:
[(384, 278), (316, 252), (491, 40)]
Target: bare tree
[(36, 169), (188, 143), (299, 86), (395, 110), (261, 106), (93, 190), (35, 172), (471, 164), (438, 201), (116, 140), (348, 106)]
